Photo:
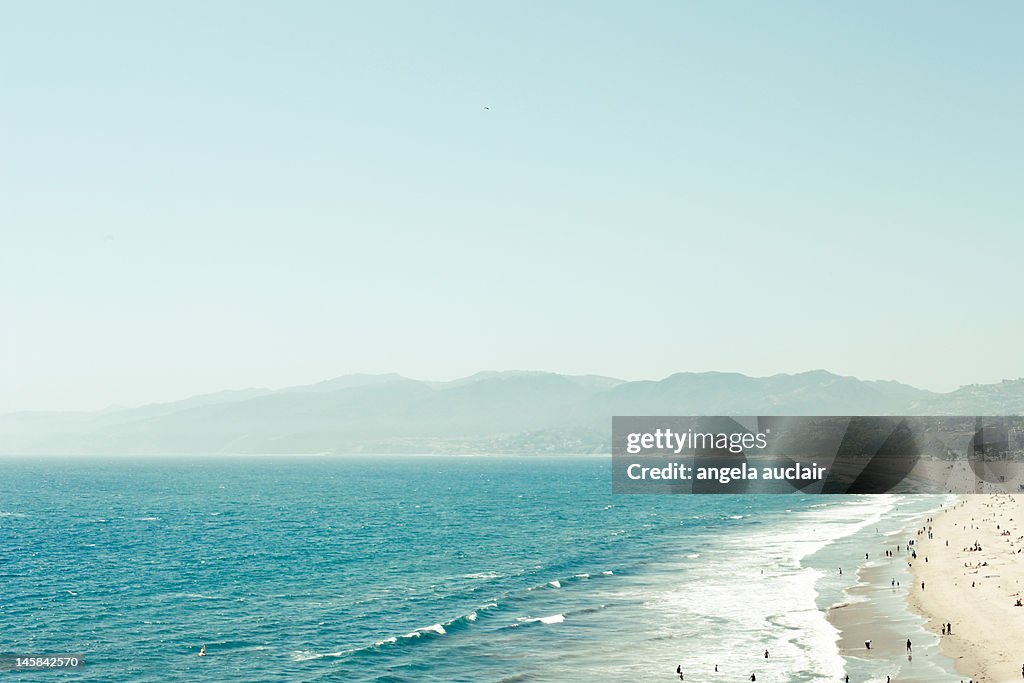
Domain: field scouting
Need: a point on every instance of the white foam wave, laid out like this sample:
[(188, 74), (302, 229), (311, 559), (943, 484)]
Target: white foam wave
[(483, 575), (553, 619), (755, 586), (436, 628), (305, 656)]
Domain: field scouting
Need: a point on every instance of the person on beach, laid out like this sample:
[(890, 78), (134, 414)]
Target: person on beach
[(867, 644), (908, 644), (943, 629), (949, 628)]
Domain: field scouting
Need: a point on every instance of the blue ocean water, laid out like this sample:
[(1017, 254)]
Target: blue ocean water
[(411, 569)]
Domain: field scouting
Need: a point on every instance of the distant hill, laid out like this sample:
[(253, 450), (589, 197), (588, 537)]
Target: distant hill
[(489, 412), (1004, 398)]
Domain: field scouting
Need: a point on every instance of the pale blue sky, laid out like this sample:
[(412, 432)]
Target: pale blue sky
[(198, 196)]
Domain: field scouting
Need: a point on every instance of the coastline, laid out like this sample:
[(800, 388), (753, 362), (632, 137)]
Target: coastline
[(869, 601), (974, 590)]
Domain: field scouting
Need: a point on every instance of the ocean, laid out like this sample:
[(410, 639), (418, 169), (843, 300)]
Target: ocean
[(396, 569)]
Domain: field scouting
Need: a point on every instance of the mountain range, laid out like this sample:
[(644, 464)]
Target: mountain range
[(489, 412)]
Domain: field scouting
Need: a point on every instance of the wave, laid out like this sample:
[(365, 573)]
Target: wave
[(483, 575), (437, 630), (553, 619), (570, 579), (452, 626)]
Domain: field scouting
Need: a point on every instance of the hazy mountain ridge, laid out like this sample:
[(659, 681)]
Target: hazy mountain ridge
[(489, 412)]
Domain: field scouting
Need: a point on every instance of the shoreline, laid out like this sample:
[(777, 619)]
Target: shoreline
[(974, 591), (873, 605)]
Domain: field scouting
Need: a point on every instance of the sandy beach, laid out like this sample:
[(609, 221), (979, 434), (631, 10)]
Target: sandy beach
[(974, 590)]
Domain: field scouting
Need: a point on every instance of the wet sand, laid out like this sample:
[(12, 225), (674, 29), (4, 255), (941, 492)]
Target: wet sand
[(877, 610)]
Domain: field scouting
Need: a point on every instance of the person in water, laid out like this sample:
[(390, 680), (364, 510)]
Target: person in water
[(202, 650), (766, 654), (908, 644)]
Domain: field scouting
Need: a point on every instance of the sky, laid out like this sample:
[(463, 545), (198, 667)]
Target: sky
[(199, 196)]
